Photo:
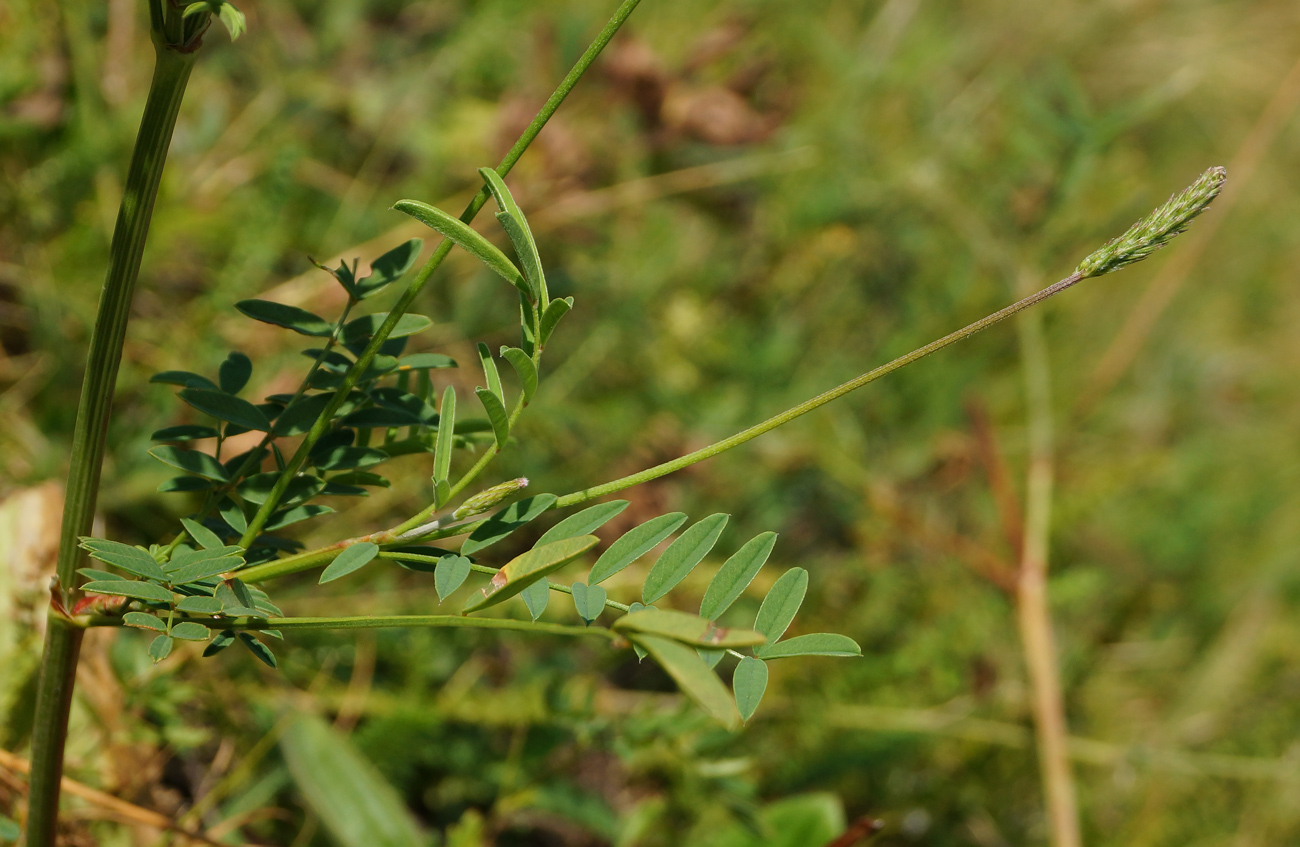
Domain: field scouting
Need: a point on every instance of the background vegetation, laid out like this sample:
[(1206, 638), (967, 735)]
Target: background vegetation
[(751, 201)]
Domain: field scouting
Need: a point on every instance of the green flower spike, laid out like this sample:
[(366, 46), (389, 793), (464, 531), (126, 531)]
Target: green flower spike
[(489, 497), (1156, 229)]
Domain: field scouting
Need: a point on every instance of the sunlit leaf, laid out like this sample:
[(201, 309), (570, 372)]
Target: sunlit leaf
[(529, 567), (749, 682), (200, 605), (506, 521), (446, 431), (190, 631), (190, 461), (780, 606), (130, 589), (450, 574), (692, 676), (288, 517), (524, 367), (130, 559), (160, 648), (490, 372), (589, 600), (682, 556), (496, 413), (584, 522), (551, 318), (813, 644), (461, 234), (536, 596), (289, 317), (144, 620), (200, 533), (353, 557), (687, 628), (633, 545), (512, 220), (736, 574)]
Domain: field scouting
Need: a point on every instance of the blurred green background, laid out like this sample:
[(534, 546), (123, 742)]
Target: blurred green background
[(751, 201)]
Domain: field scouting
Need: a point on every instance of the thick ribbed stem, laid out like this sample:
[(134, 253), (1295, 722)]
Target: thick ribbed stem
[(63, 642)]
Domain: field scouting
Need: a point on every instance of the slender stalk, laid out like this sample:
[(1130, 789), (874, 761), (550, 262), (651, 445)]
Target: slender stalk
[(314, 558), (390, 622), (816, 402), (1033, 611), (62, 642), (408, 297)]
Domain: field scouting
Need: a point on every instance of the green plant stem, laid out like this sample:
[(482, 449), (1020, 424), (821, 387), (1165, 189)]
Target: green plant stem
[(553, 586), (314, 558), (814, 403), (417, 285), (387, 622), (62, 642)]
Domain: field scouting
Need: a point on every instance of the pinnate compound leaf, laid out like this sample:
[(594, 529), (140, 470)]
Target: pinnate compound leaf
[(526, 569), (234, 373), (682, 556), (687, 628), (356, 804), (352, 558), (551, 318), (389, 267), (496, 413), (449, 574), (506, 521), (536, 596), (200, 533), (144, 620), (633, 545), (584, 522), (736, 574), (692, 676), (199, 605), (160, 648), (190, 631), (290, 317), (749, 682), (133, 560), (183, 432), (813, 644), (130, 588), (258, 649), (461, 234), (589, 600), (524, 367), (190, 461), (780, 606)]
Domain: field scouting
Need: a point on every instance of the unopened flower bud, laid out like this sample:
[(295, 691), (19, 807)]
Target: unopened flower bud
[(488, 498)]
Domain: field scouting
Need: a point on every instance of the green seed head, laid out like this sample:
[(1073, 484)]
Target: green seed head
[(1156, 229), (488, 498)]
